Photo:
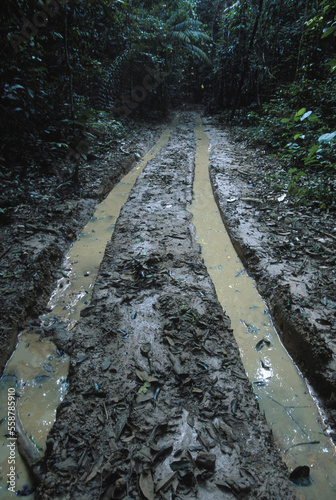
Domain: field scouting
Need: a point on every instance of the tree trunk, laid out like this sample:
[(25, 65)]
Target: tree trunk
[(246, 62)]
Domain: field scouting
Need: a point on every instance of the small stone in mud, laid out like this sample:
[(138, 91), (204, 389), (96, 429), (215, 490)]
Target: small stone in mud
[(206, 461)]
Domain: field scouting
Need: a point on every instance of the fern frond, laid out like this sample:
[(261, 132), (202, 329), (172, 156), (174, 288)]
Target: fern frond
[(173, 18), (198, 35), (200, 54), (180, 36)]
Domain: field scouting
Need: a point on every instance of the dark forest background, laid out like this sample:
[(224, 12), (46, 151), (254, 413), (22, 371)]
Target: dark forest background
[(76, 73)]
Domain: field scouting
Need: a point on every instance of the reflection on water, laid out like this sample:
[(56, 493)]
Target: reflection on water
[(82, 263), (279, 388), (36, 369)]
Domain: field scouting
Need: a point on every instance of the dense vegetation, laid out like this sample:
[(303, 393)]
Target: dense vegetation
[(273, 71), (75, 72)]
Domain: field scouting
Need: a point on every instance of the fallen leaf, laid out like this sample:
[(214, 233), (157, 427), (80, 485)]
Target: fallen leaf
[(191, 420), (95, 469), (146, 485), (106, 364), (165, 481), (121, 424), (145, 377)]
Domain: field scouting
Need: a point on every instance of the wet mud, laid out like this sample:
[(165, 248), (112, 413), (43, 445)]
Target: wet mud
[(289, 250), (37, 234), (279, 387), (159, 405), (38, 369)]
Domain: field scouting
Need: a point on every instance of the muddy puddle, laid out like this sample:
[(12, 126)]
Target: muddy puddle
[(37, 374), (81, 266), (281, 391), (37, 370)]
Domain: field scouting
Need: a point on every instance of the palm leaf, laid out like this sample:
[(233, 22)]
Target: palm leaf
[(200, 54), (180, 36), (198, 35), (188, 24)]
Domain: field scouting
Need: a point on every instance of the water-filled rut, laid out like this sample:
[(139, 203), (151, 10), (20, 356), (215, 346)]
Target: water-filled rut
[(82, 263), (37, 370), (160, 249), (281, 391)]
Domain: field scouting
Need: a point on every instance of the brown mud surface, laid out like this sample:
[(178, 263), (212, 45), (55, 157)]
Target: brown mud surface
[(36, 234), (159, 405), (288, 250)]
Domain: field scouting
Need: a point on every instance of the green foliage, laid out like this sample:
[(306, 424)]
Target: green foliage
[(274, 60), (288, 98), (144, 388), (303, 138), (283, 50), (317, 190), (324, 23), (63, 76), (109, 126)]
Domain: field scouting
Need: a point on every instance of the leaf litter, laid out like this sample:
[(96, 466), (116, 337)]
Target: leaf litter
[(170, 419)]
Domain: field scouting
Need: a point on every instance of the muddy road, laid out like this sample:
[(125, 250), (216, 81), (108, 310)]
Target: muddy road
[(158, 398), (158, 404)]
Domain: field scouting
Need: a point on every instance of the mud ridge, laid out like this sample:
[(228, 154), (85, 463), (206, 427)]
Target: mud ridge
[(159, 403), (34, 240), (273, 240)]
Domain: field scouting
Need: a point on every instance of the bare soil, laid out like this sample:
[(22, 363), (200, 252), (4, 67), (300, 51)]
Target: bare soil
[(43, 221), (159, 405), (289, 250)]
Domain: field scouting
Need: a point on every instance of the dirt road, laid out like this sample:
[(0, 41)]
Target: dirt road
[(159, 405)]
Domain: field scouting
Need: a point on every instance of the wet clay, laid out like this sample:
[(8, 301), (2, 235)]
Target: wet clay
[(158, 399), (279, 387)]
